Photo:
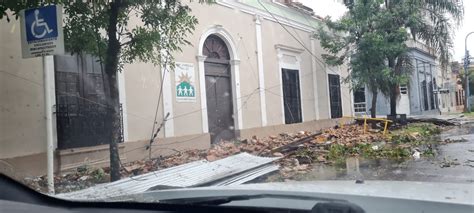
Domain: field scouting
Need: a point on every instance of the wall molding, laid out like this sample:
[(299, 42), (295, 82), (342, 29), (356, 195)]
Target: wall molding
[(281, 52), (265, 15)]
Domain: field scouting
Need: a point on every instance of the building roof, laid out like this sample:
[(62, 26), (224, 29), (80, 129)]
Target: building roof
[(283, 11)]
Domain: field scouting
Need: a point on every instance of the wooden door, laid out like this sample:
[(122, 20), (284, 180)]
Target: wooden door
[(219, 102), (220, 108)]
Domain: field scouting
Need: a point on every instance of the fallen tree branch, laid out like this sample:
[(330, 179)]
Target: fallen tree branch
[(436, 121), (294, 145)]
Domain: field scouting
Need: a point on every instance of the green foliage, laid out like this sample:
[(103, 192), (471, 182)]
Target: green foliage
[(469, 114), (148, 30), (430, 152), (402, 142), (371, 37), (98, 174), (462, 78), (416, 134), (338, 152), (360, 39), (119, 32), (424, 129)]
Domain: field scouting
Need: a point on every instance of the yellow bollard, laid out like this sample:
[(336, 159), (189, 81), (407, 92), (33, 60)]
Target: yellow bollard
[(365, 124), (385, 128)]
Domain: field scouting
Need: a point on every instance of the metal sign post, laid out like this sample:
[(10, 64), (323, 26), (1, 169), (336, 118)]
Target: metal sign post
[(466, 74), (42, 36), (48, 111)]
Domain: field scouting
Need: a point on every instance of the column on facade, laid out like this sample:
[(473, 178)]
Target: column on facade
[(202, 90), (315, 79), (419, 86), (261, 75), (235, 71)]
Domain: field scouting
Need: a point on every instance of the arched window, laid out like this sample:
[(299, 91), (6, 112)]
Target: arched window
[(215, 48)]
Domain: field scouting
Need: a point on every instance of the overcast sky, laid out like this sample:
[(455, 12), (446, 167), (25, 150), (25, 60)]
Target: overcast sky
[(329, 7), (468, 26)]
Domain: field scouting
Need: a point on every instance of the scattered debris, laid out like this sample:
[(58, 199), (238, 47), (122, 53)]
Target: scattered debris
[(415, 135), (448, 163), (198, 173), (83, 177), (469, 163), (204, 173), (455, 140), (416, 155), (296, 152)]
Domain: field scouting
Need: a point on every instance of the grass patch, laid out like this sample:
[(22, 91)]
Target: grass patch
[(400, 144), (369, 151), (470, 114), (424, 129), (415, 134)]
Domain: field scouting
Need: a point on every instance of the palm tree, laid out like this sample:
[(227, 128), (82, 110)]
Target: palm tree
[(432, 22)]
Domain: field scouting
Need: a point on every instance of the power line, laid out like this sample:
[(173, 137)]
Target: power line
[(248, 59), (320, 62), (153, 134), (294, 37)]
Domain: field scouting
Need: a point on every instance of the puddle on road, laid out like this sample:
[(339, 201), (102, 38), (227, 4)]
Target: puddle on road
[(423, 169), (463, 129), (355, 168)]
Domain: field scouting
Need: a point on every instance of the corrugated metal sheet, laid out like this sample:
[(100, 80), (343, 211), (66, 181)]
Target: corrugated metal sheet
[(247, 176), (187, 175)]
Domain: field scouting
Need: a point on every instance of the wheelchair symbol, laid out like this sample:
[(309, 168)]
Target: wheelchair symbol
[(39, 23)]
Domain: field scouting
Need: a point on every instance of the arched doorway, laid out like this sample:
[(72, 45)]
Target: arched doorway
[(218, 89)]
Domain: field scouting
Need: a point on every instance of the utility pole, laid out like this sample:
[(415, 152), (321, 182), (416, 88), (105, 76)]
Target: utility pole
[(466, 74)]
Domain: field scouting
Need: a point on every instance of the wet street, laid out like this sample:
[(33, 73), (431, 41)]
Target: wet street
[(454, 162)]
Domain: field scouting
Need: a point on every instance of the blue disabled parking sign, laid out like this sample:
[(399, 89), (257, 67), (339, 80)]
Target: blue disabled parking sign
[(41, 23), (42, 31)]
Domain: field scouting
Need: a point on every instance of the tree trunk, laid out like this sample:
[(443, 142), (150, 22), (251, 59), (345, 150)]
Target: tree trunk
[(393, 99), (373, 109), (393, 89), (113, 108)]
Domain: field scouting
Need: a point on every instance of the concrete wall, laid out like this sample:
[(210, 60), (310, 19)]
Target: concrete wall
[(414, 90), (289, 128), (241, 30), (274, 34), (421, 64), (446, 82), (142, 86), (322, 85), (22, 126), (382, 105), (425, 68), (21, 94)]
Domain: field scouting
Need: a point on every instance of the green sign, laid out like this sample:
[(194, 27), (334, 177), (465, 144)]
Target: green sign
[(185, 82)]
